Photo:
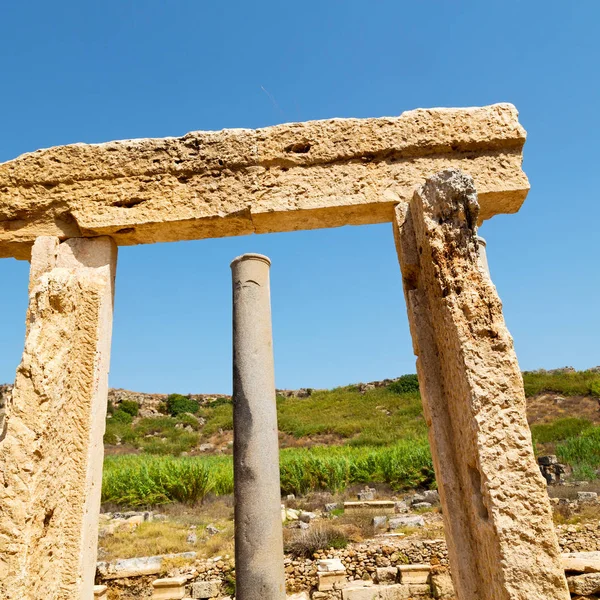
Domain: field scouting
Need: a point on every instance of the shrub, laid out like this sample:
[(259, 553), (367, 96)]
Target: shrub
[(407, 384), (120, 416), (130, 406), (187, 419), (595, 388), (158, 435), (219, 402), (220, 417), (178, 404), (318, 537)]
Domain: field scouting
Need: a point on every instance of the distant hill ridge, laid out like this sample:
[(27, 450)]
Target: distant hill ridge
[(149, 403)]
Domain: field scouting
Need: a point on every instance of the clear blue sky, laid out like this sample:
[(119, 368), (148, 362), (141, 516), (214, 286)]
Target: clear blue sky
[(97, 71)]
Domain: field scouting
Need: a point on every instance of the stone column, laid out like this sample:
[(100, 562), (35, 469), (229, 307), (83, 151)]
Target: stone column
[(51, 449), (501, 540), (482, 254), (258, 532)]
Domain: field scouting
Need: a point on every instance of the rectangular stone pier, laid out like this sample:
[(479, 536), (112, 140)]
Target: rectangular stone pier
[(501, 539), (51, 449)]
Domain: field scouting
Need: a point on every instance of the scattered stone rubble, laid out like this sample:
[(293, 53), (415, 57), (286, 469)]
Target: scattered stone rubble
[(333, 579), (375, 569)]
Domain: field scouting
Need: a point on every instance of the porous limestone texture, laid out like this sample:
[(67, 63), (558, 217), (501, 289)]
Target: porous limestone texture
[(258, 531), (51, 447), (240, 181), (501, 541)]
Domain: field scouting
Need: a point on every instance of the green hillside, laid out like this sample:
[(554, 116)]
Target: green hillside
[(329, 440)]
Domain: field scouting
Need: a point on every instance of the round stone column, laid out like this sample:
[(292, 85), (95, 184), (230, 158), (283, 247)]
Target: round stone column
[(483, 262), (258, 530)]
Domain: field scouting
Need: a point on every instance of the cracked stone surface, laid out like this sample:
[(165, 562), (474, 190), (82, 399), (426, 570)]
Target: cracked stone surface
[(501, 540), (51, 444), (240, 181)]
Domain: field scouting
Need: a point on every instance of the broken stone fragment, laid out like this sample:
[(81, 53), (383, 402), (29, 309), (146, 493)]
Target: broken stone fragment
[(386, 574), (407, 521), (401, 507), (590, 497), (584, 585), (581, 562), (380, 522), (328, 565), (202, 590), (306, 516)]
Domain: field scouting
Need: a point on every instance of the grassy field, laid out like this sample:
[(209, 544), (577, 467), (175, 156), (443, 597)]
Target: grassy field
[(375, 436), (579, 383)]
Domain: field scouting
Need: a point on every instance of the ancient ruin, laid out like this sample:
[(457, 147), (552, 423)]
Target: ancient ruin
[(435, 174)]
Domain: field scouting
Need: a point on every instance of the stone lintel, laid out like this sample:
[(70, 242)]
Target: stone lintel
[(497, 516), (236, 182)]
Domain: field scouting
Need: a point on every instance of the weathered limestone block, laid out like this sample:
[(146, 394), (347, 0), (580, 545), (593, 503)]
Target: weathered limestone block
[(414, 573), (441, 586), (403, 591), (407, 521), (361, 591), (100, 592), (386, 574), (585, 585), (136, 567), (51, 447), (331, 580), (497, 516), (235, 182), (396, 591), (202, 590), (169, 588), (382, 507), (581, 562)]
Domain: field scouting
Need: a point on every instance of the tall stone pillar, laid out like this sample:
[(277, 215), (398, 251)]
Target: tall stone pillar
[(258, 532), (501, 540), (51, 448)]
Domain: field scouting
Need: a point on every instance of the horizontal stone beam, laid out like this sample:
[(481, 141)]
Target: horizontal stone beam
[(240, 181)]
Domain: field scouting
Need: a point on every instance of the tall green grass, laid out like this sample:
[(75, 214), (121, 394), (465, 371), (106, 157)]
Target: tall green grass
[(137, 480), (559, 430), (582, 453)]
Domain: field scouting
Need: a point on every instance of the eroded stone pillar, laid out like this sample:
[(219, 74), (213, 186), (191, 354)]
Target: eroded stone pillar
[(258, 532), (51, 448), (497, 515)]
